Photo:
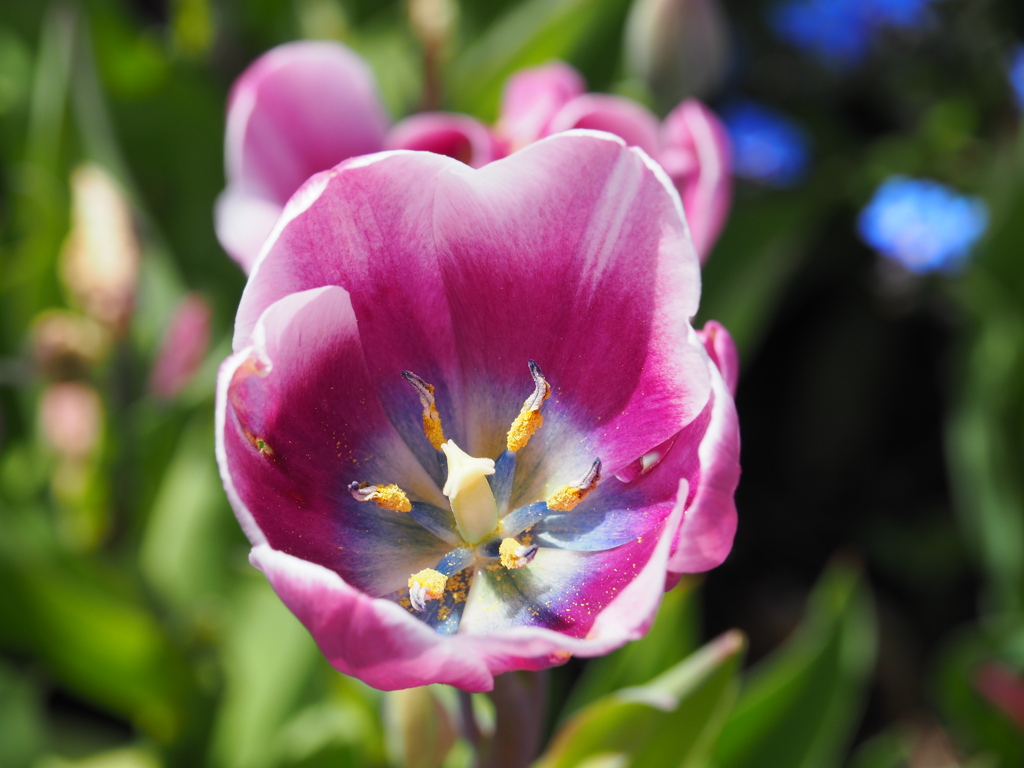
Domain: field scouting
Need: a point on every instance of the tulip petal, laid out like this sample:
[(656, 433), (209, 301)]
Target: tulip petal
[(706, 535), (382, 644), (368, 226), (531, 99), (375, 640), (573, 253), (425, 245), (697, 156), (299, 109), (630, 121), (298, 421), (457, 136)]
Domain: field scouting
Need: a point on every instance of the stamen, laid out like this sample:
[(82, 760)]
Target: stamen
[(469, 493), (516, 555), (426, 585), (387, 496), (568, 496), (530, 418), (431, 418)]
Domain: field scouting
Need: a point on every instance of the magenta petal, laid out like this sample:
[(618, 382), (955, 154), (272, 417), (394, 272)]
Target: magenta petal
[(572, 252), (382, 644), (697, 155), (706, 535), (368, 226), (297, 422), (532, 98), (371, 639), (722, 350), (614, 114), (297, 110), (457, 136)]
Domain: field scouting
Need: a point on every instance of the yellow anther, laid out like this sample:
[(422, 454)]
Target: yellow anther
[(530, 418), (431, 418), (568, 496), (426, 585), (522, 429), (387, 496), (392, 497), (516, 555)]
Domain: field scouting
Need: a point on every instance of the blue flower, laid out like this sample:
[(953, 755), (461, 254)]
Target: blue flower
[(767, 147), (830, 30), (840, 32), (925, 226), (1017, 75)]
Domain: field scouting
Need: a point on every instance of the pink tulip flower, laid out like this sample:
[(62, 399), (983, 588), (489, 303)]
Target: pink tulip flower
[(299, 109), (303, 107), (467, 426), (691, 144)]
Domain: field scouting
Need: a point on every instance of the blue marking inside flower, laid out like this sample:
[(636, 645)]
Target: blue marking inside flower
[(839, 33), (1017, 75), (922, 224), (533, 567), (767, 147)]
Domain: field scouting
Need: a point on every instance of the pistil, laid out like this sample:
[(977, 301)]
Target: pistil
[(469, 493)]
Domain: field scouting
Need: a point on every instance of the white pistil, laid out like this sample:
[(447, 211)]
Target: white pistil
[(469, 493)]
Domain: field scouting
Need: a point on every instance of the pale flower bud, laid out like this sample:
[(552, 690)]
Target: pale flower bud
[(419, 727), (66, 345), (679, 48), (433, 21), (100, 260), (71, 416)]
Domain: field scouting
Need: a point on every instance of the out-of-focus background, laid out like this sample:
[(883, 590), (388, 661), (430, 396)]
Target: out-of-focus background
[(878, 571)]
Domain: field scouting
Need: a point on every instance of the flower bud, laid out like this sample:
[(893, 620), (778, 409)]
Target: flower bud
[(678, 48), (70, 417), (433, 21), (66, 345), (420, 729), (100, 260), (183, 348)]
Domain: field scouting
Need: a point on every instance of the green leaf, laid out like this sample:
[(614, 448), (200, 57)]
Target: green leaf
[(100, 641), (269, 659), (183, 551), (21, 719), (531, 33), (799, 707), (671, 638), (671, 721)]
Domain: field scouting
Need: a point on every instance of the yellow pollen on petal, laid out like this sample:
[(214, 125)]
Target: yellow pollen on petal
[(392, 497), (566, 498)]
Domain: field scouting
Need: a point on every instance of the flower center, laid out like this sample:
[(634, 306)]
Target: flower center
[(478, 491)]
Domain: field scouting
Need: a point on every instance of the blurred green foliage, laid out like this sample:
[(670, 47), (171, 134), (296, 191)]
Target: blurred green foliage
[(133, 631)]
